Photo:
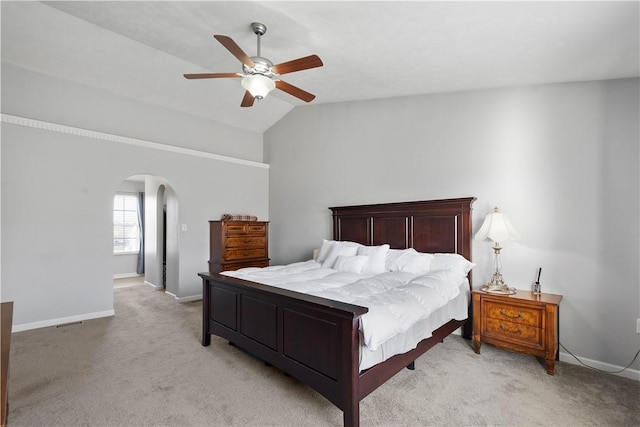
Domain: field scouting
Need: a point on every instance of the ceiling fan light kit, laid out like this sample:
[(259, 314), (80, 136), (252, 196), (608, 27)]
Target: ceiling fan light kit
[(258, 85), (259, 75)]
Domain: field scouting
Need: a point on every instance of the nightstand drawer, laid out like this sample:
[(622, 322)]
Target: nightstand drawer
[(524, 334), (514, 313)]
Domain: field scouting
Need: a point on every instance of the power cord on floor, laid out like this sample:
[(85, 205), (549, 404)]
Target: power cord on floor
[(600, 370)]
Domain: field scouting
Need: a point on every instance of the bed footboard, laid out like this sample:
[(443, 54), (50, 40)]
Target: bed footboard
[(314, 339)]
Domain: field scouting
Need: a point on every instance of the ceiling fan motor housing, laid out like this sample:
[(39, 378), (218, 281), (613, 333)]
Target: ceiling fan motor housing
[(262, 66)]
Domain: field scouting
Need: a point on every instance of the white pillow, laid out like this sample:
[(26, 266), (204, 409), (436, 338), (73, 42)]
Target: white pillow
[(393, 258), (350, 264), (455, 263), (327, 245), (415, 263), (324, 250), (376, 256), (336, 251), (409, 261)]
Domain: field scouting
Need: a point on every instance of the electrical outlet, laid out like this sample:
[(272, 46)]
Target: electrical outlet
[(638, 326)]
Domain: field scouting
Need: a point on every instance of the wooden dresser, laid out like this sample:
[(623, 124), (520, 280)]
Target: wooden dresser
[(524, 322), (238, 244)]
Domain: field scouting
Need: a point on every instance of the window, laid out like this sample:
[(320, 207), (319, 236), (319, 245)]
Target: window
[(126, 230)]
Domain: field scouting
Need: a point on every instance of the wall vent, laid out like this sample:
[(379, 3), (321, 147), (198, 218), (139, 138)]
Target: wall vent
[(62, 325)]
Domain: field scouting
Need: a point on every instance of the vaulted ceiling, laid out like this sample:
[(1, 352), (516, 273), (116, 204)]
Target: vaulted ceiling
[(370, 49)]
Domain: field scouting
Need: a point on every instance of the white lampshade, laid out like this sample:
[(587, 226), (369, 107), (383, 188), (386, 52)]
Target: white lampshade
[(258, 85), (497, 227)]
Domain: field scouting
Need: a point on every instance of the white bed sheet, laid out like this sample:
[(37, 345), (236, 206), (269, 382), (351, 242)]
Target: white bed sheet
[(455, 309)]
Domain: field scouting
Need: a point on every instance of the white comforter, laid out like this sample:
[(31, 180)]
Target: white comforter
[(396, 300)]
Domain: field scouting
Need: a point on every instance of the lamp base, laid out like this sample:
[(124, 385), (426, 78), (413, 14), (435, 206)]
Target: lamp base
[(497, 286), (506, 291)]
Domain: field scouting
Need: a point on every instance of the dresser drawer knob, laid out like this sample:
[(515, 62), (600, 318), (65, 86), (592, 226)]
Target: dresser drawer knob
[(511, 331), (504, 313)]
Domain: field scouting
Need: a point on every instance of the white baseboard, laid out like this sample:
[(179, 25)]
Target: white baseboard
[(632, 374), (126, 275), (185, 299), (156, 287), (61, 321)]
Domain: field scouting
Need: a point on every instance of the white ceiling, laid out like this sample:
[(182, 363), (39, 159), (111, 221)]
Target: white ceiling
[(369, 49)]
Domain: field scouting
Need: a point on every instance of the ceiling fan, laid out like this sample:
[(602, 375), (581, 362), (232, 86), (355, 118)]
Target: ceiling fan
[(259, 75)]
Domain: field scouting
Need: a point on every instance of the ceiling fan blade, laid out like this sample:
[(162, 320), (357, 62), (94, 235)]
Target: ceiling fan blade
[(212, 75), (311, 61), (248, 99), (235, 50), (295, 91)]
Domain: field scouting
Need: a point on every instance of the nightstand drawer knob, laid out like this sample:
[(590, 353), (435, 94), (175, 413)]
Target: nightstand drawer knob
[(504, 313), (511, 331)]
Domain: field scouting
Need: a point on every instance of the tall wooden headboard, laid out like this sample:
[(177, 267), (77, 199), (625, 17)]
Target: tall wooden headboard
[(432, 226)]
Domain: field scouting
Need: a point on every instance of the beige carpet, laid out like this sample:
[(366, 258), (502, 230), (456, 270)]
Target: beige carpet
[(146, 367)]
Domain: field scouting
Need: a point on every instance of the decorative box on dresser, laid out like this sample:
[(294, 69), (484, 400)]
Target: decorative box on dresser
[(524, 322), (238, 244)]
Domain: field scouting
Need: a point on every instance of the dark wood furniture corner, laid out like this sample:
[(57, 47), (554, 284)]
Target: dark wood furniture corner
[(6, 317), (238, 244), (524, 322)]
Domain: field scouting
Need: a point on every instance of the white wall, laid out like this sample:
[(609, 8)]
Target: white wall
[(57, 192), (562, 160), (155, 190), (35, 95), (161, 197)]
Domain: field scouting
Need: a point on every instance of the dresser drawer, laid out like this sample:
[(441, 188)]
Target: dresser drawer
[(240, 228), (524, 334), (244, 264), (241, 253), (246, 242), (514, 313), (256, 228)]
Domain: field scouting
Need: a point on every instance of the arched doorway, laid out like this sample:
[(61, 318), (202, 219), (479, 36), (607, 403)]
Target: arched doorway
[(160, 231)]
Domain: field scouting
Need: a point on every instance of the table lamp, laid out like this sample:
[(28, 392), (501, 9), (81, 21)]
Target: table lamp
[(497, 228)]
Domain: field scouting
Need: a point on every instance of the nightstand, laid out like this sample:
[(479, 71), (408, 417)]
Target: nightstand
[(524, 322)]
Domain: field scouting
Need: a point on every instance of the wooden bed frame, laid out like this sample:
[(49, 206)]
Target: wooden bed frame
[(316, 340)]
